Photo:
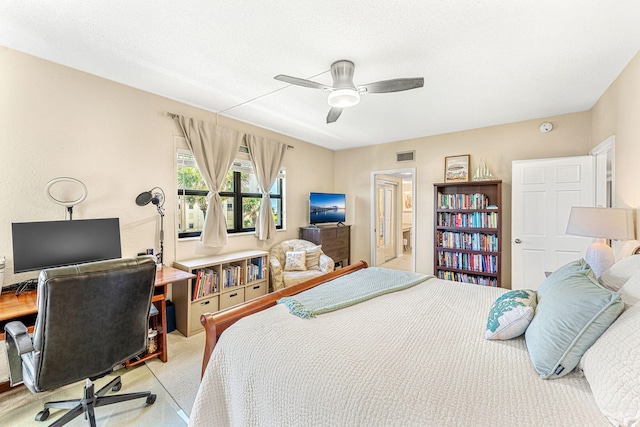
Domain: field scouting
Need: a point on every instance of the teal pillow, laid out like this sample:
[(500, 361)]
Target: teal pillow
[(573, 311), (511, 314)]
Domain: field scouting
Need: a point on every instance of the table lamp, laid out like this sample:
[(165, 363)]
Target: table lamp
[(603, 224)]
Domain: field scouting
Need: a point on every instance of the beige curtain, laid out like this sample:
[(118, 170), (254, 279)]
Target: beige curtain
[(214, 149), (266, 156)]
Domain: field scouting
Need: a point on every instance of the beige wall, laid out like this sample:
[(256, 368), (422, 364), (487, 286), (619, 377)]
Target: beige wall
[(497, 146), (617, 112), (56, 121)]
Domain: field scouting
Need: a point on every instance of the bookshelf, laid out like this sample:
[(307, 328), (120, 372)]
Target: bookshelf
[(468, 232), (221, 281)]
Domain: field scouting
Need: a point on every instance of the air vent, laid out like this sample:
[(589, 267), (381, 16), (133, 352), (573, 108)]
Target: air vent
[(406, 156)]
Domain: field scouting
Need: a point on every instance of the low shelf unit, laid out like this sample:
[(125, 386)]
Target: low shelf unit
[(221, 281), (468, 232)]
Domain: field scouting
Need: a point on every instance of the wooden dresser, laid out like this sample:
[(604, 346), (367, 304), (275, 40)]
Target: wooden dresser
[(335, 241)]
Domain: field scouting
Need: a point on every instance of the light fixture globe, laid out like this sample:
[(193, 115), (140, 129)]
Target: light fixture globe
[(344, 98)]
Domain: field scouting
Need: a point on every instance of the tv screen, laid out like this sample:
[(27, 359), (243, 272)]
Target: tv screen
[(46, 244), (327, 207)]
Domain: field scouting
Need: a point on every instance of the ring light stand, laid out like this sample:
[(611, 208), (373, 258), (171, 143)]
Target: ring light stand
[(69, 204)]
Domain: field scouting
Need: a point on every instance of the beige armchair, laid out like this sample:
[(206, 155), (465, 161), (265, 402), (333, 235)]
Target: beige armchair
[(317, 263)]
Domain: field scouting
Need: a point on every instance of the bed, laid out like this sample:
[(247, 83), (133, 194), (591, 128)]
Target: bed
[(416, 356)]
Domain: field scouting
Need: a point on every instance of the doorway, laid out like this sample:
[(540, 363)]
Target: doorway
[(393, 218)]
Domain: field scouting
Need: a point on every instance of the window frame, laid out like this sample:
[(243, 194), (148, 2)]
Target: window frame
[(239, 165)]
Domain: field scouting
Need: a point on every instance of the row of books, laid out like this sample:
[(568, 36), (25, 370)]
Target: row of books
[(470, 220), (463, 201), (468, 278), (472, 241), (471, 262), (256, 269), (232, 276), (206, 283)]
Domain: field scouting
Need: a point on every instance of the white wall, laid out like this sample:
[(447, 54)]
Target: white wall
[(56, 121)]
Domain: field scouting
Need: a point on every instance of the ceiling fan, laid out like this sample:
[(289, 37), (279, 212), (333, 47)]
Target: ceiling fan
[(344, 93)]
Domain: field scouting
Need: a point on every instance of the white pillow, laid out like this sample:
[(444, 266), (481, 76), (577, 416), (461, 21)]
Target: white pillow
[(295, 261), (511, 314), (313, 256), (618, 274), (612, 367), (630, 291)]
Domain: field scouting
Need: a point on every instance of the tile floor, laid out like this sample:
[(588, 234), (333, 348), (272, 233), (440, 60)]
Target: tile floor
[(164, 412)]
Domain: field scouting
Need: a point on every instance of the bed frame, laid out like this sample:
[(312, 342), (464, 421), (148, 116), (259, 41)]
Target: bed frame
[(215, 323)]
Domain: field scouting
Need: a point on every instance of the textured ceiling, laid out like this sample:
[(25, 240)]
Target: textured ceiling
[(484, 62)]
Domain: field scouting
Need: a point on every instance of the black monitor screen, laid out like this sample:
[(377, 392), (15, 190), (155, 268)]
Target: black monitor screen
[(40, 245)]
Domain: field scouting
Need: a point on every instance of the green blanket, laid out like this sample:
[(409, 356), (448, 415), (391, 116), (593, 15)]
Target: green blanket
[(351, 289)]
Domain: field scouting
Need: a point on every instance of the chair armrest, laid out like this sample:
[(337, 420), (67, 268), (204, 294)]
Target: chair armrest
[(277, 281), (18, 343), (327, 265)]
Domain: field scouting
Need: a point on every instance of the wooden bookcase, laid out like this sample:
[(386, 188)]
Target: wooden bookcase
[(221, 282), (468, 232)]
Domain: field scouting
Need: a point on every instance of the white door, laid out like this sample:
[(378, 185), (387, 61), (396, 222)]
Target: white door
[(386, 218), (544, 190)]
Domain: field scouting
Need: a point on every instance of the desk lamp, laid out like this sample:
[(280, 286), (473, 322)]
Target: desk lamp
[(156, 197), (603, 224)]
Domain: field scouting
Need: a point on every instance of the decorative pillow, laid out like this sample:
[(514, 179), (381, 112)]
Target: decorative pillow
[(618, 274), (313, 258), (630, 291), (573, 311), (612, 368), (511, 314), (295, 261)]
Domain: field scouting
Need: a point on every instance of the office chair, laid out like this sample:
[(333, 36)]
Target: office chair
[(91, 318)]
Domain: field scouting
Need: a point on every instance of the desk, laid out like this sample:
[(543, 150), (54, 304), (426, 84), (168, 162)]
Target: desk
[(25, 307)]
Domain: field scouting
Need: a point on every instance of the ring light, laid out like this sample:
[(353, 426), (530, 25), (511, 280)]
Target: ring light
[(68, 203)]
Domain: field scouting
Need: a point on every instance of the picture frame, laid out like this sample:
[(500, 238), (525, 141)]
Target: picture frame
[(456, 168), (407, 202)]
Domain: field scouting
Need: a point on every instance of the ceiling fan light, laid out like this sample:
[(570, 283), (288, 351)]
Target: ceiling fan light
[(343, 98)]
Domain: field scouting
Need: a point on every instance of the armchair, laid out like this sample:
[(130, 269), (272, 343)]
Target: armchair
[(282, 278), (91, 318)]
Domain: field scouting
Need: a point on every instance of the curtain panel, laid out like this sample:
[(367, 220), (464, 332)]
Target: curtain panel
[(266, 156), (214, 149)]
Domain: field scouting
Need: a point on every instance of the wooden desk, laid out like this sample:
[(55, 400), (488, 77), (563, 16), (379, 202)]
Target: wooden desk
[(25, 306)]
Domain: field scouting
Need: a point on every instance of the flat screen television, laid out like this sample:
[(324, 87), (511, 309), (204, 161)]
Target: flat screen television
[(47, 244), (326, 208)]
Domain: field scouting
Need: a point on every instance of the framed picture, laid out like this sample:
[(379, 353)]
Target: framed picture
[(456, 168), (407, 203)]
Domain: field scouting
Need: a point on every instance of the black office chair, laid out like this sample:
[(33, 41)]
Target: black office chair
[(91, 318)]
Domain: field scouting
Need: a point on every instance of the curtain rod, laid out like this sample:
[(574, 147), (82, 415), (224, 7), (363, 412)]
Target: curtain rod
[(175, 116)]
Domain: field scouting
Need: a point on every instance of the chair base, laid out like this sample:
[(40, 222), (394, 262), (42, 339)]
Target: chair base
[(90, 401)]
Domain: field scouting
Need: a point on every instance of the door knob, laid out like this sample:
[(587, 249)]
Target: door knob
[(518, 241)]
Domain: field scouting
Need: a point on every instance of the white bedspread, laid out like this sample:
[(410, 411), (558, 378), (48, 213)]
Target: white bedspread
[(417, 357)]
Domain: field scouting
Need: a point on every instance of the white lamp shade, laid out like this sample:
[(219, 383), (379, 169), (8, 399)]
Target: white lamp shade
[(603, 223)]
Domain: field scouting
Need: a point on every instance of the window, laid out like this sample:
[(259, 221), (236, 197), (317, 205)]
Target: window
[(240, 194)]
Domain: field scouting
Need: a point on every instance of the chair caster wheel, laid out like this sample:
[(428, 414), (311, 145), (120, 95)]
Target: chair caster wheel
[(151, 399), (42, 415), (116, 388)]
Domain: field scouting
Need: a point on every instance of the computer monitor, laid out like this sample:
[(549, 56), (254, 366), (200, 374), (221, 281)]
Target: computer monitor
[(47, 244)]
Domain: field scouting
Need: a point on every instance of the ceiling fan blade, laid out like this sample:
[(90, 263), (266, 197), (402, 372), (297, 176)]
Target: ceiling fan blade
[(394, 85), (301, 82), (333, 115)]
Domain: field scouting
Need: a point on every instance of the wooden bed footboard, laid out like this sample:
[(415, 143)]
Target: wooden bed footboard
[(215, 323)]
